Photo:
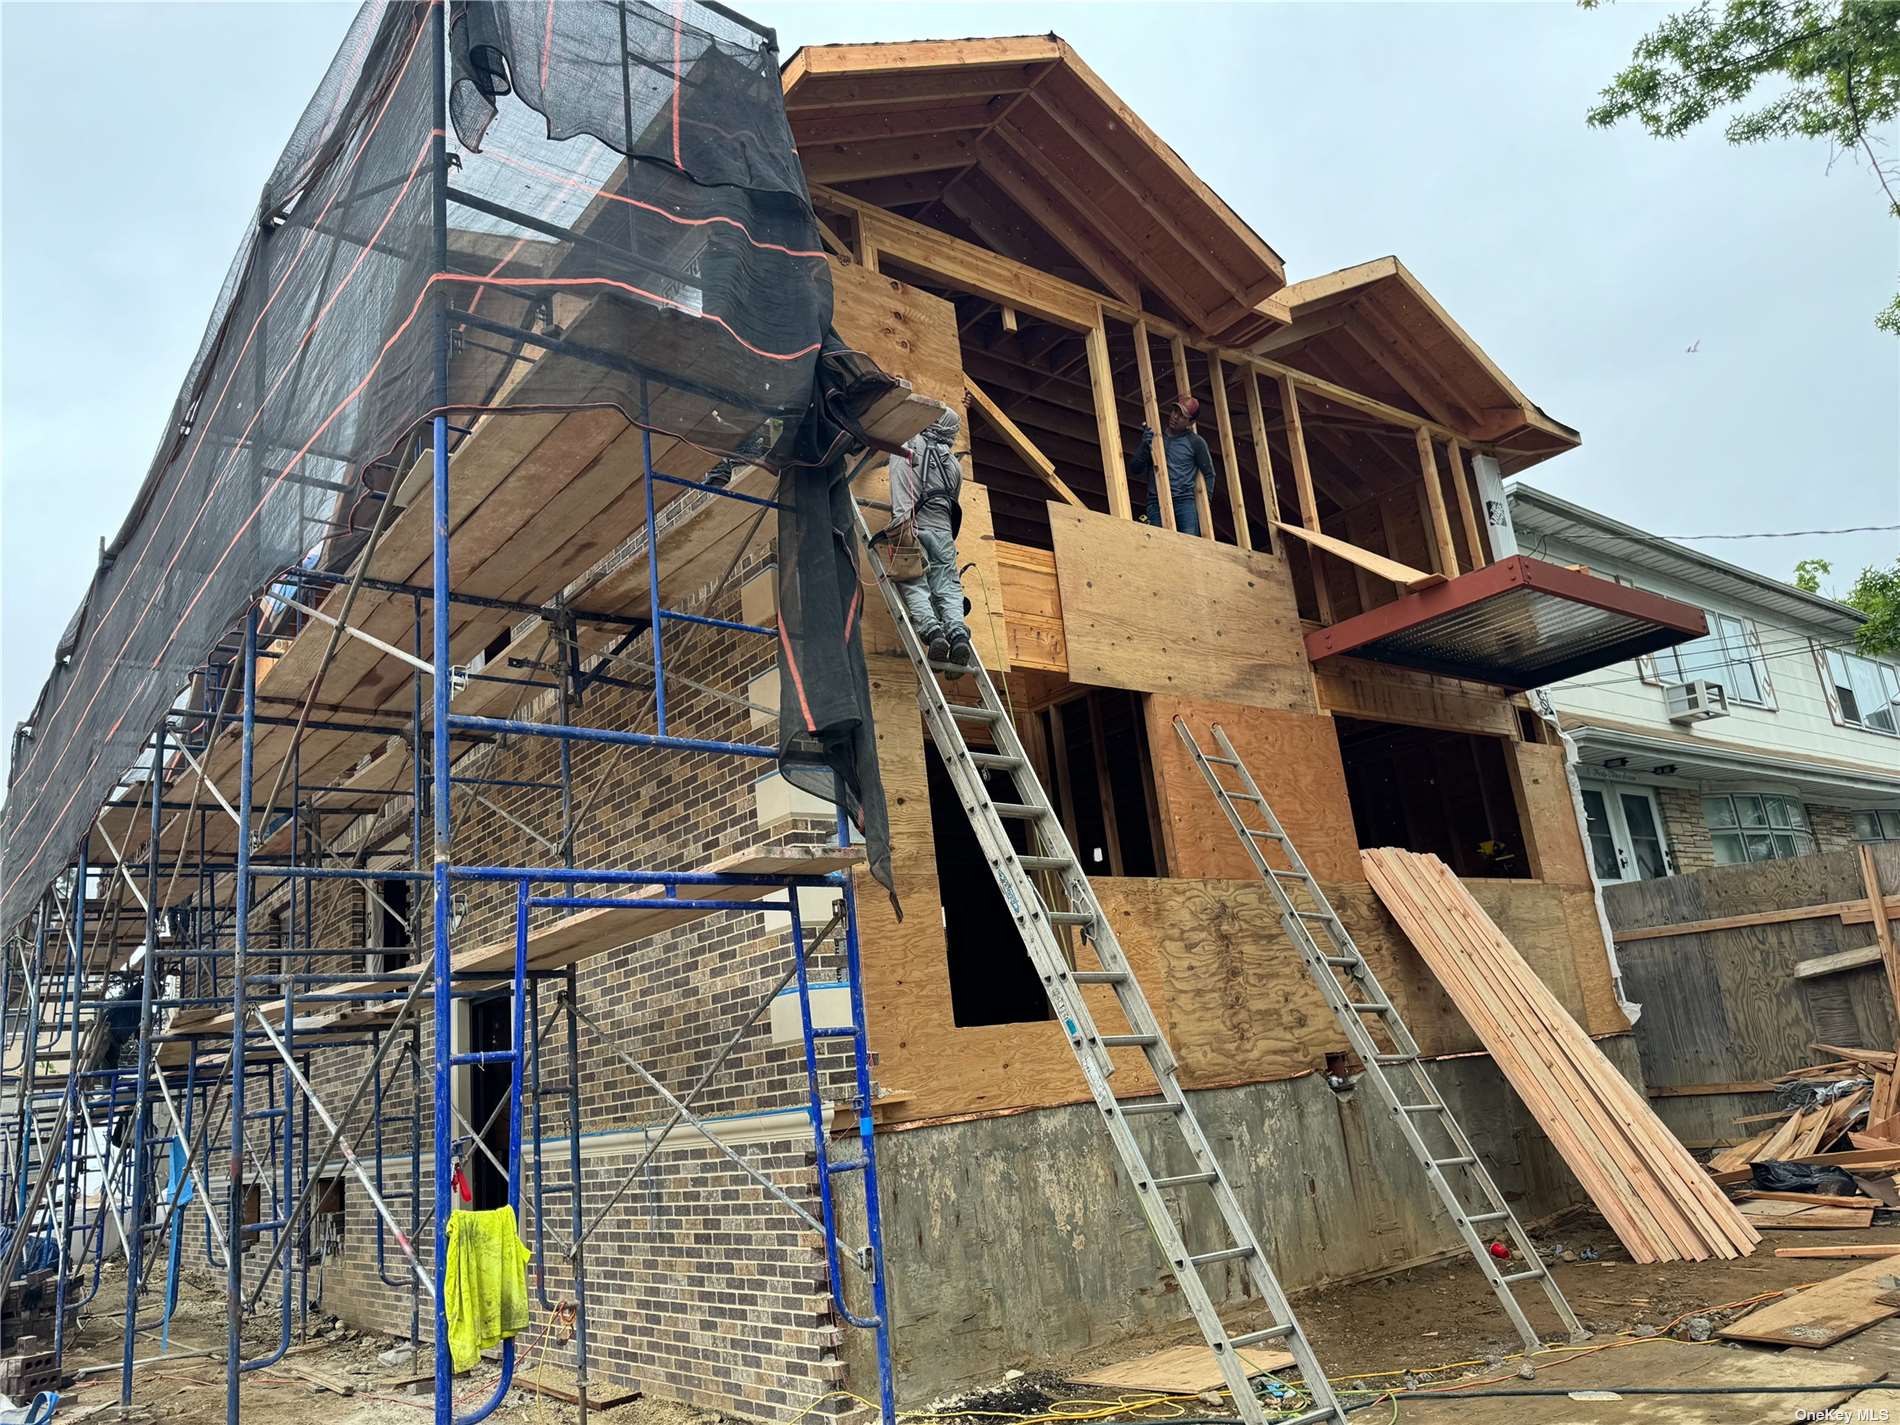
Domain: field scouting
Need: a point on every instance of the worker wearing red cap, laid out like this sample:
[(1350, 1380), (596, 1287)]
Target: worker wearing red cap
[(1188, 459)]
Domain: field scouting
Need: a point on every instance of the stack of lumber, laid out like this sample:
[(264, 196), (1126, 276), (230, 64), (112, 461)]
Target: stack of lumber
[(1658, 1200)]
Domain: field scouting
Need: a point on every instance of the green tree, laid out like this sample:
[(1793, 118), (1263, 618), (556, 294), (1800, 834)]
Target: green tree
[(1829, 70), (1876, 593)]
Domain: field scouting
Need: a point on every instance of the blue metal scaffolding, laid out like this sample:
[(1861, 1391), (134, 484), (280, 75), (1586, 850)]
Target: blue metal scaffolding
[(247, 1084)]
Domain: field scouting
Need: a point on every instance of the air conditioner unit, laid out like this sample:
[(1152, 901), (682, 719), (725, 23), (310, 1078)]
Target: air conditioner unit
[(1696, 702)]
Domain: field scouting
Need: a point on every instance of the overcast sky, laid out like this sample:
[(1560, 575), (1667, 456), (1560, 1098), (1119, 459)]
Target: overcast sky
[(134, 141)]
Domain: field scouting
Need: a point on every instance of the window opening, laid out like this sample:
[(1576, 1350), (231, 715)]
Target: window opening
[(1728, 653), (1877, 825), (1447, 793), (490, 1030)]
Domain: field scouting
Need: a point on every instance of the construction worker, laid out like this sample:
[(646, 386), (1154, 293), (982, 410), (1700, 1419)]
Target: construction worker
[(926, 479), (120, 1011), (1188, 459)]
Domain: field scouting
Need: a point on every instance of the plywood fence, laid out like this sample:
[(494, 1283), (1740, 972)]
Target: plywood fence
[(1739, 969)]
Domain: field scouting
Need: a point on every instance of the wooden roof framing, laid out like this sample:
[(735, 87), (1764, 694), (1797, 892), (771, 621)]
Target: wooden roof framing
[(1017, 144), (1375, 328)]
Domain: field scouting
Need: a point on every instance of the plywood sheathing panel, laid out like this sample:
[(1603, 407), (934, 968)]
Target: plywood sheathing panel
[(1231, 994), (1032, 607), (1237, 1005), (1549, 815), (913, 335), (921, 1052), (1294, 757), (1356, 688), (1151, 611)]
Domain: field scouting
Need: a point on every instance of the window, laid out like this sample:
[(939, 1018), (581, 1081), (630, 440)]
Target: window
[(386, 935), (1877, 826), (1751, 827), (1865, 693), (1729, 654)]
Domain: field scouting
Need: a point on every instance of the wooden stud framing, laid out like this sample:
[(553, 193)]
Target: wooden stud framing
[(1296, 447), (1303, 483), (1229, 455), (1024, 448), (1108, 432), (1467, 507), (1151, 412), (1435, 505), (1183, 387), (1105, 789), (1263, 456)]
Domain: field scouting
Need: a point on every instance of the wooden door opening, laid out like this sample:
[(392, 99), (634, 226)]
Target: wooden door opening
[(490, 1026), (992, 980)]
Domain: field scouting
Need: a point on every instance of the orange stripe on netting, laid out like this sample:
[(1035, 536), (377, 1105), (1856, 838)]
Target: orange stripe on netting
[(315, 436), (713, 317), (211, 493), (547, 51), (798, 683), (179, 484), (238, 446), (612, 196), (679, 16), (851, 614)]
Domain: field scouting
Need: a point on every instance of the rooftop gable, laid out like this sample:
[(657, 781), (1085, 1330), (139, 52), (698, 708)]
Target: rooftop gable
[(1376, 328), (1018, 144)]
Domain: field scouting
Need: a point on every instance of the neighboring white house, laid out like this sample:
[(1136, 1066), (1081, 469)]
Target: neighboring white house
[(1769, 737)]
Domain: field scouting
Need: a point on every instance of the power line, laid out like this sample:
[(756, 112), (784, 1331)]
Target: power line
[(1784, 533)]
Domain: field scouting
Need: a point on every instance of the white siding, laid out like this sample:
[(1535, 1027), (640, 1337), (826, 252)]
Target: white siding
[(1798, 724)]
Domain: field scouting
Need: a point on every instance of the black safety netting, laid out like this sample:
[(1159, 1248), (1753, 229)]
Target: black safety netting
[(623, 224)]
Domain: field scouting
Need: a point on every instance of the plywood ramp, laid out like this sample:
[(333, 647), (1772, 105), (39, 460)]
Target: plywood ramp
[(1658, 1200)]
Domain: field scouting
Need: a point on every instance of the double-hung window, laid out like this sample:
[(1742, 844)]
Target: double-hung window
[(1748, 826), (1728, 653), (1866, 693)]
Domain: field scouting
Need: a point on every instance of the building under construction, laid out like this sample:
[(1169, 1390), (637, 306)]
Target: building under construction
[(489, 767)]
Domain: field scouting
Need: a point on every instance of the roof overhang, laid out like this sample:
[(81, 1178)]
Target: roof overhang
[(1018, 142), (1535, 511), (1519, 623), (1689, 757), (1376, 328)]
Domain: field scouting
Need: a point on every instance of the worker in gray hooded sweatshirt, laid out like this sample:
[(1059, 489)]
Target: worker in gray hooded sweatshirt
[(925, 481)]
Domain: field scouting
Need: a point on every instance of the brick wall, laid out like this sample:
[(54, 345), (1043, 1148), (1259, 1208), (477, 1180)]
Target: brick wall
[(1833, 827), (1690, 848), (701, 1286)]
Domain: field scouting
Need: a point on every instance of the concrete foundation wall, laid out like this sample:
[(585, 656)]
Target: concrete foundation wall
[(1015, 1241)]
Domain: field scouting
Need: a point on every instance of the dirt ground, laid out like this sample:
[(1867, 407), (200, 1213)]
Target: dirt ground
[(1430, 1324)]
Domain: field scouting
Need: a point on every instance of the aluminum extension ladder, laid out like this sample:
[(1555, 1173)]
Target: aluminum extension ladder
[(1397, 1071), (1039, 922)]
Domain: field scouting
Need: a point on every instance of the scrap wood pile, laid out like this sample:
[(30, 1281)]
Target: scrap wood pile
[(1830, 1158), (1656, 1198)]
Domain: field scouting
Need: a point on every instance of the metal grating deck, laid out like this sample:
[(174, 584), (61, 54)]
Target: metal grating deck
[(1519, 623)]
